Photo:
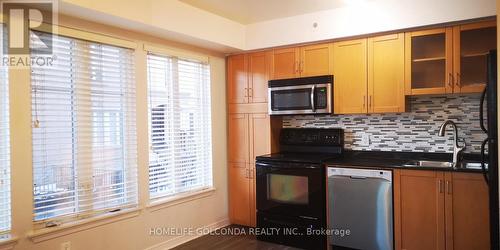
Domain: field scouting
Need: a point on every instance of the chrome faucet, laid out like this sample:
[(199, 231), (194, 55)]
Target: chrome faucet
[(456, 148)]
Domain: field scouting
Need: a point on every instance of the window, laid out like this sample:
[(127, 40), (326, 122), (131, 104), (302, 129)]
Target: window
[(4, 148), (180, 157), (84, 137)]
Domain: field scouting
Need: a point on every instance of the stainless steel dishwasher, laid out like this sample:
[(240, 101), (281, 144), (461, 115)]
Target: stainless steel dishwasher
[(360, 213)]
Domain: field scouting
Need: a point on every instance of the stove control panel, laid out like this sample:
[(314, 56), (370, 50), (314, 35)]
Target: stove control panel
[(312, 137)]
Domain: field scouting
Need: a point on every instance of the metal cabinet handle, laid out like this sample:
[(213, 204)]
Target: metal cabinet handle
[(370, 101), (364, 101), (247, 173), (450, 80), (457, 81), (250, 92), (246, 92), (296, 66), (448, 187), (301, 67), (313, 104), (440, 186)]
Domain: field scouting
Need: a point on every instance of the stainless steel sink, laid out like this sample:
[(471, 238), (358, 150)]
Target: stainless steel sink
[(432, 164), (474, 165)]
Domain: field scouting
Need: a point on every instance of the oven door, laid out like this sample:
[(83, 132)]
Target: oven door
[(291, 189), (300, 99)]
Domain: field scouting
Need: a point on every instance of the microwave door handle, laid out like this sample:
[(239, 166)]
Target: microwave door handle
[(313, 89)]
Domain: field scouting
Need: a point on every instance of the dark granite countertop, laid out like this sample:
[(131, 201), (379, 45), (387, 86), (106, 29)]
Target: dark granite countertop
[(380, 159)]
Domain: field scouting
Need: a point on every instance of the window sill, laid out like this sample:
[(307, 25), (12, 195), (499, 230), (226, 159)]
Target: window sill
[(81, 225), (162, 203), (7, 243)]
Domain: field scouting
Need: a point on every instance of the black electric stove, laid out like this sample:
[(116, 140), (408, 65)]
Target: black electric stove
[(291, 186)]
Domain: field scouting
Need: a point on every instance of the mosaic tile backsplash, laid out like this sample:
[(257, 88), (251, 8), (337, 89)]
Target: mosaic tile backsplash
[(413, 131)]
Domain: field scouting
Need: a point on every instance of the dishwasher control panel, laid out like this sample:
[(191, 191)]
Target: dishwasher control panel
[(357, 173)]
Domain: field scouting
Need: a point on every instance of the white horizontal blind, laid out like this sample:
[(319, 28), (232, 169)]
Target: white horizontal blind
[(4, 146), (180, 158), (84, 136)]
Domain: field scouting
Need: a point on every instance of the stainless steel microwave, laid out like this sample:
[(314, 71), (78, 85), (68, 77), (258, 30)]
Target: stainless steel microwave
[(306, 95)]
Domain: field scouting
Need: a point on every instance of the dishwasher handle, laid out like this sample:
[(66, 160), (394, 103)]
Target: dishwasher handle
[(357, 173)]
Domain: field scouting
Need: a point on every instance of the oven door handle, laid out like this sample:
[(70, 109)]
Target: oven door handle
[(313, 104)]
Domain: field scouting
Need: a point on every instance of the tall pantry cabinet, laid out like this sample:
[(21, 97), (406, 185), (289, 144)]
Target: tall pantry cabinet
[(249, 130)]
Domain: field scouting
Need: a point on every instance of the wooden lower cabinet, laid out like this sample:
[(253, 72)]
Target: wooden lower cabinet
[(240, 194), (249, 136), (442, 210), (422, 210), (467, 227)]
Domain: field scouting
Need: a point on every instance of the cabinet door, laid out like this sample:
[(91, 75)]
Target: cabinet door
[(285, 63), (349, 67), (467, 217), (471, 44), (238, 146), (260, 134), (239, 194), (316, 60), (422, 210), (428, 62), (386, 74), (237, 89), (258, 75), (253, 200)]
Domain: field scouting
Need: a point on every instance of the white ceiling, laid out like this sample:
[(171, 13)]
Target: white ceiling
[(252, 11)]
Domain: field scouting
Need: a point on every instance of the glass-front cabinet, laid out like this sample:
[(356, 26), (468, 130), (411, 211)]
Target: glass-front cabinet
[(429, 64), (448, 60), (471, 44)]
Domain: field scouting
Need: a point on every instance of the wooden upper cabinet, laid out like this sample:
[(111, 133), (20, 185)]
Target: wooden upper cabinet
[(316, 60), (386, 74), (258, 74), (422, 213), (471, 44), (349, 70), (310, 60), (428, 62), (237, 89), (467, 220), (239, 144), (285, 63)]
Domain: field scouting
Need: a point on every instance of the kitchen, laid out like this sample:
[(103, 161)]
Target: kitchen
[(380, 135), (238, 124)]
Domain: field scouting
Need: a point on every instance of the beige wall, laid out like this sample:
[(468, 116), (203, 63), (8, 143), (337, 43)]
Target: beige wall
[(133, 232)]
